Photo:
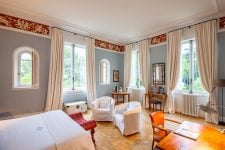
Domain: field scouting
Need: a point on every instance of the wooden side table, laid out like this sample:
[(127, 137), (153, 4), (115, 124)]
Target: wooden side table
[(123, 94), (156, 98)]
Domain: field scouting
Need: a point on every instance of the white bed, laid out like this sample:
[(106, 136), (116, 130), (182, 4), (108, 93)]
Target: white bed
[(52, 130)]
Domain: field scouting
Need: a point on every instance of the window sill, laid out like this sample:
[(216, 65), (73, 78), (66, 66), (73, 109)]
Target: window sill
[(26, 88), (188, 93), (74, 91), (104, 83)]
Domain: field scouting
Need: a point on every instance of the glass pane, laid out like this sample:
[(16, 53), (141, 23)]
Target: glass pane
[(80, 68), (185, 66), (25, 75), (197, 86), (67, 76)]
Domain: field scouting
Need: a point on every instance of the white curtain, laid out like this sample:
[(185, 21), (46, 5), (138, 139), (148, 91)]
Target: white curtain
[(90, 70), (144, 61), (54, 96), (127, 65), (205, 35), (173, 67)]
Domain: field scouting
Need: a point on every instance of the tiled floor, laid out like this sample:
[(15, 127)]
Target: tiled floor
[(108, 137)]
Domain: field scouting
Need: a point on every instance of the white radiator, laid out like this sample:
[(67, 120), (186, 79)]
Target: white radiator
[(186, 103)]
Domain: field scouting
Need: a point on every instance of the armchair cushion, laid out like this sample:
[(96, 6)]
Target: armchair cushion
[(127, 117), (103, 109), (105, 103)]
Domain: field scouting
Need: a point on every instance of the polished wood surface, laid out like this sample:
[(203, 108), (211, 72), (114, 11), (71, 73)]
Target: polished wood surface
[(123, 94), (209, 139), (153, 96)]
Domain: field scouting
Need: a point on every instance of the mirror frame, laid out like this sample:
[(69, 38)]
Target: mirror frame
[(163, 70)]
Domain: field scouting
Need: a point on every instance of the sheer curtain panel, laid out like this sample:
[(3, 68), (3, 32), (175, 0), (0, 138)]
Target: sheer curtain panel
[(90, 70), (205, 35), (54, 96), (173, 65), (127, 65), (144, 61)]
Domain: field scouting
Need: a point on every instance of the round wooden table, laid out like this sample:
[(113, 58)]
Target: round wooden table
[(123, 94)]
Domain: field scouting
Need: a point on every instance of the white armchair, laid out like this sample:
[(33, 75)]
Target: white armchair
[(127, 117), (103, 108)]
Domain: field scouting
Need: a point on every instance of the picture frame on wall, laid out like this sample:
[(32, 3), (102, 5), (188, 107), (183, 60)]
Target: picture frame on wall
[(115, 75)]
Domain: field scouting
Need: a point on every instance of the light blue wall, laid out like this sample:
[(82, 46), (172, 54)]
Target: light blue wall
[(14, 102), (221, 66), (158, 54), (116, 63), (221, 55)]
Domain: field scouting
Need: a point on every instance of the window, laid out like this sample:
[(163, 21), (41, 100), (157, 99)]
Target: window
[(135, 70), (189, 74), (26, 63), (104, 71), (74, 67)]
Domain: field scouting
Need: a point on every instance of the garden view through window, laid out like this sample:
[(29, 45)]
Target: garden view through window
[(189, 73), (25, 69), (135, 69), (74, 67)]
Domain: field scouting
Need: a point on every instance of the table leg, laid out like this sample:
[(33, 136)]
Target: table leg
[(123, 98), (128, 97), (117, 99)]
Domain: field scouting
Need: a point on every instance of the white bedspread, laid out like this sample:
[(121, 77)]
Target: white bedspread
[(47, 131)]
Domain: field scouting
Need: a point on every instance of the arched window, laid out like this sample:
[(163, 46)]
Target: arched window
[(104, 71), (26, 68)]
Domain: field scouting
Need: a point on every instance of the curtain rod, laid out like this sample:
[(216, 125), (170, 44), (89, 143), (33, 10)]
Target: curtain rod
[(175, 30), (192, 25), (73, 32)]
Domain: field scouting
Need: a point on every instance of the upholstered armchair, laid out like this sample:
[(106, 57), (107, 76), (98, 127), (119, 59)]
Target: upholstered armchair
[(103, 108), (127, 117)]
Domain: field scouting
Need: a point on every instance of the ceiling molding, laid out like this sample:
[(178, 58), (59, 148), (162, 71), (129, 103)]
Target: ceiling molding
[(14, 10), (44, 19)]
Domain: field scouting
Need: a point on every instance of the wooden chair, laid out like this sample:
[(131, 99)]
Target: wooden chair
[(159, 132)]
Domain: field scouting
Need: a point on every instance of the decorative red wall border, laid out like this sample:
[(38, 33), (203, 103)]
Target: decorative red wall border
[(110, 46), (158, 39), (222, 23), (22, 24)]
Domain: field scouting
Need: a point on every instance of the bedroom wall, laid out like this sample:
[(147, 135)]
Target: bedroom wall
[(116, 63), (221, 67), (15, 102), (158, 54)]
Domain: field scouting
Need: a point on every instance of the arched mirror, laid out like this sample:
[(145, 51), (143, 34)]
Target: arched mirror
[(104, 71)]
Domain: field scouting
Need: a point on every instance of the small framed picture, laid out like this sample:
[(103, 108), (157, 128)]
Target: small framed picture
[(115, 75)]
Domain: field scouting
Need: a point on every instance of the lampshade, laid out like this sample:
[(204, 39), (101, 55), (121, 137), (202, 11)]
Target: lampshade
[(219, 83)]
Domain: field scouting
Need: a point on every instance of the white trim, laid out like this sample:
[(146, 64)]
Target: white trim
[(15, 84), (108, 50), (164, 43), (221, 30), (25, 32)]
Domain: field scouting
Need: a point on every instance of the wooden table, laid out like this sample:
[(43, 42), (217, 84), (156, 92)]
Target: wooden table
[(123, 94), (209, 139), (158, 96)]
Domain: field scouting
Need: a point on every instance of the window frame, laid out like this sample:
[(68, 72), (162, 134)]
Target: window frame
[(106, 61), (19, 69), (16, 85), (191, 90), (73, 88)]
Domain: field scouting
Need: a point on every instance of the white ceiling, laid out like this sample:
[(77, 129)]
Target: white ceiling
[(117, 21)]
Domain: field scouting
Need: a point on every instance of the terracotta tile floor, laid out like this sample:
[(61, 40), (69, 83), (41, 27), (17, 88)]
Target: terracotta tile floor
[(108, 137)]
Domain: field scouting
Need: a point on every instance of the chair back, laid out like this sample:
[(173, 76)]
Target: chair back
[(157, 119)]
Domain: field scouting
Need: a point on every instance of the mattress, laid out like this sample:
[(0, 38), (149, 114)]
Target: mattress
[(52, 130)]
